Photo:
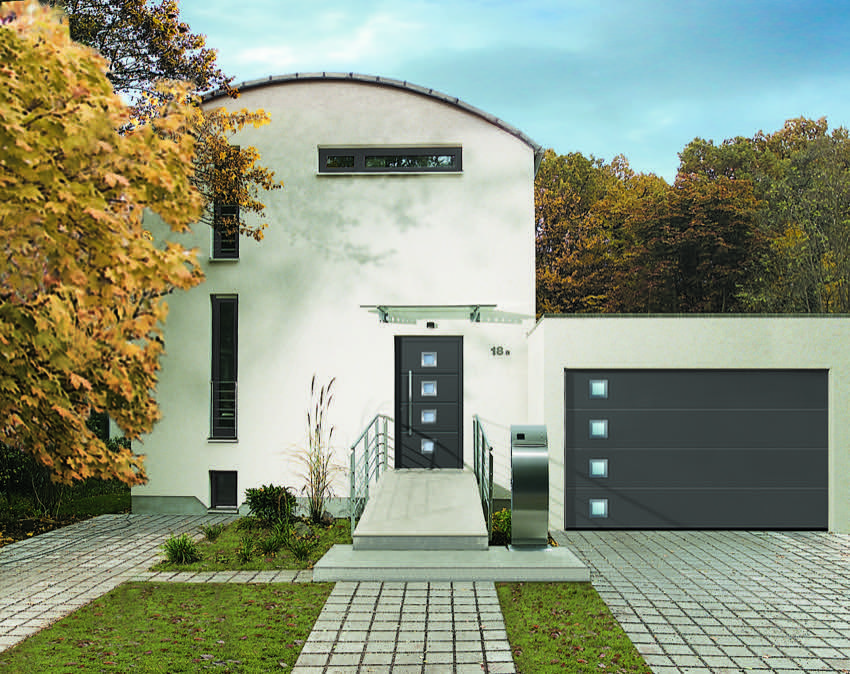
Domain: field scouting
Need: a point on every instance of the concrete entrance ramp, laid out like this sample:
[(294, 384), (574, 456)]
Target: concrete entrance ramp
[(428, 525)]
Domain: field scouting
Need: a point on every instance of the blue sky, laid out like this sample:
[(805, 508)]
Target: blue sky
[(603, 77)]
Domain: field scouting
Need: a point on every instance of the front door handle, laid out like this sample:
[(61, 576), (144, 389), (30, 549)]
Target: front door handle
[(410, 402)]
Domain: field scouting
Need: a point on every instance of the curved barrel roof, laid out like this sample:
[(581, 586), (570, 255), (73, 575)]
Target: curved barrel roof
[(387, 82)]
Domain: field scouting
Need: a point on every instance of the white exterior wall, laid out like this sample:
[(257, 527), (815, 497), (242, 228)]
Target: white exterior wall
[(698, 342), (336, 242)]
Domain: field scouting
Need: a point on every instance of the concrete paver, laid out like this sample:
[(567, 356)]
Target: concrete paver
[(408, 627), (46, 577), (706, 602)]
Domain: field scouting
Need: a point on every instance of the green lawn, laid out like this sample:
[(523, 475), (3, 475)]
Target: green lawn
[(565, 627), (177, 627)]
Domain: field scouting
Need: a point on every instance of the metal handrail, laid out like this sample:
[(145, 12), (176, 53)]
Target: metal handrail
[(483, 466), (375, 441)]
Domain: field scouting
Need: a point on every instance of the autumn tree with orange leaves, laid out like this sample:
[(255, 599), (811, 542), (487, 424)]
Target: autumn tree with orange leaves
[(145, 43), (81, 285)]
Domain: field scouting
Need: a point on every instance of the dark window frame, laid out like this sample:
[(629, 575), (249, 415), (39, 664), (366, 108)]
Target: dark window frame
[(359, 155), (223, 393), (216, 498), (225, 244)]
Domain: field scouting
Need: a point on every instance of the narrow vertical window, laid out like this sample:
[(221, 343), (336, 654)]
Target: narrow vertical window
[(224, 362), (226, 214)]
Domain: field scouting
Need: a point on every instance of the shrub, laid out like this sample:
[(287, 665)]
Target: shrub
[(181, 549), (501, 527), (301, 548), (271, 544), (282, 529), (270, 504), (212, 532), (246, 547)]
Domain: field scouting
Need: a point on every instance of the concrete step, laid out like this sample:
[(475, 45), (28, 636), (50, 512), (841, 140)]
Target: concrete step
[(343, 562), (421, 509)]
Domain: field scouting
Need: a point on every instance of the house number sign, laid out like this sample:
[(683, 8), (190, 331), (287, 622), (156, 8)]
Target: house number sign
[(499, 351)]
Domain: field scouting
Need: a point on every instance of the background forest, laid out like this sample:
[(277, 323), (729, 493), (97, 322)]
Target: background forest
[(750, 225)]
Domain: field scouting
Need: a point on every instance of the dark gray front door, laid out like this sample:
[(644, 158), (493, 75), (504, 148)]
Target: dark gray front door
[(696, 449), (429, 402)]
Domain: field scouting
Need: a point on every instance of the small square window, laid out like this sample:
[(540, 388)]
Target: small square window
[(223, 488), (429, 388), (427, 446), (429, 359), (599, 507), (599, 428), (599, 388), (429, 416), (598, 468)]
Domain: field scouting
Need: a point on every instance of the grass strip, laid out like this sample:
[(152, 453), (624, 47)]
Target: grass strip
[(565, 627), (178, 627), (222, 554)]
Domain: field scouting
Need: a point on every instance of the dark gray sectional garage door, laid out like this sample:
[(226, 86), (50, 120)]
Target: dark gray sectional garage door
[(696, 449)]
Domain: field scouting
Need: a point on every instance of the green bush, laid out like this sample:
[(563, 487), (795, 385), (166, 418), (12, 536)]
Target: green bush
[(270, 504), (181, 549), (501, 527), (212, 532), (301, 548), (246, 547), (271, 544)]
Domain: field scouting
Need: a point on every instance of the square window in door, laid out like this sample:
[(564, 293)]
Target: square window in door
[(599, 428), (429, 388), (429, 359), (427, 446), (599, 468), (599, 388), (429, 416), (599, 507)]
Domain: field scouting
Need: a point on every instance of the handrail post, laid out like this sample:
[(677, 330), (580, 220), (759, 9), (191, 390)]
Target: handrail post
[(366, 464), (490, 495), (352, 497), (385, 443)]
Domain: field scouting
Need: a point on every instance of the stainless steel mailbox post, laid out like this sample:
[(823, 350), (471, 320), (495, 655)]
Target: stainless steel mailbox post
[(529, 486)]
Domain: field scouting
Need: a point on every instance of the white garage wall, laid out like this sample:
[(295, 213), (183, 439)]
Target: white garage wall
[(692, 342)]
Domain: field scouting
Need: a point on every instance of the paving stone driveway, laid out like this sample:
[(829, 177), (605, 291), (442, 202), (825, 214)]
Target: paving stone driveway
[(48, 576), (725, 601)]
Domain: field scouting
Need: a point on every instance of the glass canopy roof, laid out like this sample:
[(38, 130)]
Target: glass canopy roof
[(411, 313)]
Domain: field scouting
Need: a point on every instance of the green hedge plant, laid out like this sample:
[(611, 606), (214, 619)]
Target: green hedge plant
[(181, 549), (212, 532), (270, 503), (501, 527)]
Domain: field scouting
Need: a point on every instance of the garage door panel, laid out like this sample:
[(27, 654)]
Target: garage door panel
[(716, 389), (702, 468), (696, 449), (649, 429), (703, 509)]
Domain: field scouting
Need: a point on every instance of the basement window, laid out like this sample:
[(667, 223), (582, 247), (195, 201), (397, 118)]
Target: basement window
[(390, 159)]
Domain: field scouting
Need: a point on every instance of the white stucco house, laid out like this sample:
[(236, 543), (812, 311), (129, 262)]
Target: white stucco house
[(400, 260)]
